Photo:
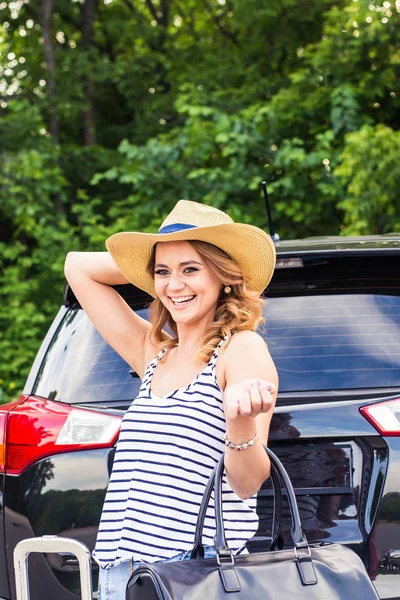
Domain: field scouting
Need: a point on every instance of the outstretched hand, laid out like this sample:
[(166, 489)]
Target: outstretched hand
[(249, 398)]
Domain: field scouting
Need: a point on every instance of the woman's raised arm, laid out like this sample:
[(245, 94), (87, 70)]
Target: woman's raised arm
[(91, 276)]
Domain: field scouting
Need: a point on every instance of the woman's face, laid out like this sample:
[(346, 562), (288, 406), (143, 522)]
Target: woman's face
[(186, 286)]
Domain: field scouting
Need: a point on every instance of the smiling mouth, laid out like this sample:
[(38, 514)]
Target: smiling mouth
[(182, 301)]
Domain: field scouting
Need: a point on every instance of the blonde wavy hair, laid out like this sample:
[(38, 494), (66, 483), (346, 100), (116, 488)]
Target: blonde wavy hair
[(240, 310)]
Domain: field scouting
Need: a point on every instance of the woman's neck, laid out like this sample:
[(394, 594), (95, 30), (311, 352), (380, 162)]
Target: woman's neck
[(189, 339)]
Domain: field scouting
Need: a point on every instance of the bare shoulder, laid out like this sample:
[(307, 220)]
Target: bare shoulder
[(247, 357), (245, 341)]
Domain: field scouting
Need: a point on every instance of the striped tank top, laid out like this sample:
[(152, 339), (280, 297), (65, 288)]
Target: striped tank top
[(166, 451)]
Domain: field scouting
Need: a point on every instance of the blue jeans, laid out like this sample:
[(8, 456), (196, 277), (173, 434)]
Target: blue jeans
[(113, 581)]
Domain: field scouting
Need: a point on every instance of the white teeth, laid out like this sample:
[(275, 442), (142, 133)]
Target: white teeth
[(183, 299)]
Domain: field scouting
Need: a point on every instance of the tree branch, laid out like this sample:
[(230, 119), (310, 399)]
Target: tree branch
[(133, 10), (141, 20), (165, 13), (189, 18), (152, 9), (225, 32)]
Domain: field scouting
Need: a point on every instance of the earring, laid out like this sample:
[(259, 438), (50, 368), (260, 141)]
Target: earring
[(227, 289)]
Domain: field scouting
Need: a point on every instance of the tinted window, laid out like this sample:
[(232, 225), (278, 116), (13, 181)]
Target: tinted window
[(321, 342), (348, 341), (81, 367)]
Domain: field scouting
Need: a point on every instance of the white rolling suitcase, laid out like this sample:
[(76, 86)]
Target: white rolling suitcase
[(51, 543)]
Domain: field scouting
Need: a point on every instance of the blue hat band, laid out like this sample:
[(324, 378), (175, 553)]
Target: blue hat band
[(176, 227)]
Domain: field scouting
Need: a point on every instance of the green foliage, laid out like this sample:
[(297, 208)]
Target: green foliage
[(370, 173), (200, 100), (30, 261)]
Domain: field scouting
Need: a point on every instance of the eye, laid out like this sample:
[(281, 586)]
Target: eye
[(161, 272), (190, 269)]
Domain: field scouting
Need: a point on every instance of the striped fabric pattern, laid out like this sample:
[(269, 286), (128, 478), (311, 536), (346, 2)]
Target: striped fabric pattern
[(165, 454)]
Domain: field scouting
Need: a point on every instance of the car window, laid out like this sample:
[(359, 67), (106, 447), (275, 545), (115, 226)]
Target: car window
[(81, 367), (321, 342), (349, 341)]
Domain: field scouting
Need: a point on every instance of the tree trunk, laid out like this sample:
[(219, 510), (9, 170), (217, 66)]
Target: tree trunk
[(47, 15), (89, 9)]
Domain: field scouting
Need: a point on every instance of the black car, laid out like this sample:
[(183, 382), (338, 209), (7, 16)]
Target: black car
[(332, 323)]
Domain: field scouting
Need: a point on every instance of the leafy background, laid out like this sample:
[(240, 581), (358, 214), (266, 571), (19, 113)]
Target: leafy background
[(112, 110)]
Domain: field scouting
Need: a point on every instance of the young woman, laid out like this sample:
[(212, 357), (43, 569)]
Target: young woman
[(208, 387)]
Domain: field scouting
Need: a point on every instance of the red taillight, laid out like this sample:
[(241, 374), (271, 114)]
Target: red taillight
[(4, 410), (3, 421), (384, 416), (38, 428)]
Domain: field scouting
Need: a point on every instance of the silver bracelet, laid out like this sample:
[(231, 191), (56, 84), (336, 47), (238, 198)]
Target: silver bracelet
[(243, 446)]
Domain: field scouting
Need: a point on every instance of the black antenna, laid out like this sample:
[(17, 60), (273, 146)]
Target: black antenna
[(272, 233)]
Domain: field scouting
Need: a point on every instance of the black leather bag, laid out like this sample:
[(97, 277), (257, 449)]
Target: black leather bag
[(330, 572)]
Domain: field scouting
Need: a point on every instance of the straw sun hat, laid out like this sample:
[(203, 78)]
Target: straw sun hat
[(249, 246)]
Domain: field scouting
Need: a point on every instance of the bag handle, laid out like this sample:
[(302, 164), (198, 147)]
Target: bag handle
[(215, 480), (225, 558), (297, 534), (276, 538), (276, 535)]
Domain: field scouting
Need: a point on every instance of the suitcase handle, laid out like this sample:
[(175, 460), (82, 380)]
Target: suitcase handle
[(51, 543)]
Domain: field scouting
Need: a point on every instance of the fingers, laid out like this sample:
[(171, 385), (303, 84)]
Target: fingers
[(242, 406), (266, 389), (233, 408), (266, 385), (251, 402)]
